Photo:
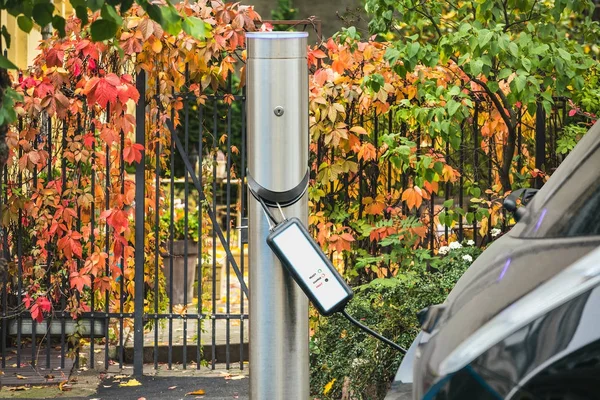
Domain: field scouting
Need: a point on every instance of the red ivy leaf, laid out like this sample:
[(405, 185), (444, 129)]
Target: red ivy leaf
[(102, 90), (55, 57), (132, 151)]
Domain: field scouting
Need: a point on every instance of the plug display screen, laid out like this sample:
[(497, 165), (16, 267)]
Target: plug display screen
[(309, 266)]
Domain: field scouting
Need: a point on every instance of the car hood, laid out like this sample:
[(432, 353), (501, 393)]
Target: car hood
[(509, 269)]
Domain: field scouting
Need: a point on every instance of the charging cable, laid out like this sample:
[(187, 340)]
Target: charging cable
[(275, 226)]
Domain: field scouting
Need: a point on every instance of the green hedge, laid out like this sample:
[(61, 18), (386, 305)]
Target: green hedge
[(346, 362)]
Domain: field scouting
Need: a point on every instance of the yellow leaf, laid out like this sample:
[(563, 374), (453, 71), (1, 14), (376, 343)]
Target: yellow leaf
[(198, 392), (21, 377), (133, 382), (157, 46), (329, 385)]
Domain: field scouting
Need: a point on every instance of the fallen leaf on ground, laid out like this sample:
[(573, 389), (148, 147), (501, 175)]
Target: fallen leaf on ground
[(237, 377), (172, 387), (198, 392), (142, 398), (18, 388), (21, 376), (64, 386), (133, 382), (120, 376), (107, 386), (49, 376)]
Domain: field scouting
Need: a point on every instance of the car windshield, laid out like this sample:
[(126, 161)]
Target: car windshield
[(569, 203)]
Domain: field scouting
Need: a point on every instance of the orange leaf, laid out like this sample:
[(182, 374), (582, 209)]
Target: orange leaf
[(413, 197)]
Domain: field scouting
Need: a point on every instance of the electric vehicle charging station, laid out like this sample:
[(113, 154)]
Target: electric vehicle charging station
[(278, 138)]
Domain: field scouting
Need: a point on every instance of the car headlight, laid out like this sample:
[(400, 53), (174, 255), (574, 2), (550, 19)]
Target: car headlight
[(575, 280)]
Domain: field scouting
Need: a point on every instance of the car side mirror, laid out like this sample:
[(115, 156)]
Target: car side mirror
[(510, 203)]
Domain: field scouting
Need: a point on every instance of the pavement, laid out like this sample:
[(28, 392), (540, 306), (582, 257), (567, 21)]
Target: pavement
[(219, 384)]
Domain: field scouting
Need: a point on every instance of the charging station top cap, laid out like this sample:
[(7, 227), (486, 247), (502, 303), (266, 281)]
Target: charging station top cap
[(276, 44)]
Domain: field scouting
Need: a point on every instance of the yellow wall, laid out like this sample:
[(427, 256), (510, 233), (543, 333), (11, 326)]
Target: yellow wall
[(23, 46)]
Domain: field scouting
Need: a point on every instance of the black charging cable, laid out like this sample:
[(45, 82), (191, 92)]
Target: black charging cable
[(271, 218), (372, 332)]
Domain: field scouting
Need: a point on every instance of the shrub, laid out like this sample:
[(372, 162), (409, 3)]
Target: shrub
[(346, 362)]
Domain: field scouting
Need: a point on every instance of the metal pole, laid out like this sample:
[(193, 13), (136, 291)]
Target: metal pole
[(277, 85), (140, 182)]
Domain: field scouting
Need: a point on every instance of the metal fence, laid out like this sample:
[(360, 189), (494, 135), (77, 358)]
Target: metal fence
[(181, 301)]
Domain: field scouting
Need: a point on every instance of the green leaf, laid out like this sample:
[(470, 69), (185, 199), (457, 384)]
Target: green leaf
[(484, 37), (6, 36), (493, 86), (539, 50), (58, 23), (449, 203), (513, 48), (195, 27), (103, 29), (171, 20), (25, 23), (413, 49), (476, 66), (6, 63), (453, 107), (526, 64), (455, 91), (520, 82), (564, 54), (82, 13), (109, 13), (95, 5), (505, 73), (42, 13), (78, 3)]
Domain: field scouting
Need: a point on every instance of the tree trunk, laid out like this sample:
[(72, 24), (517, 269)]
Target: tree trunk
[(508, 154)]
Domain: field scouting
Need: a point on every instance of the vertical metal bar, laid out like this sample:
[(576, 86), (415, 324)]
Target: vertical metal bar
[(19, 262), (140, 195), (92, 243), (171, 240), (228, 227), (461, 183), (242, 213), (63, 177), (519, 143), (156, 235), (4, 272), (447, 192), (122, 293), (540, 142), (200, 239), (186, 130), (214, 236), (475, 160), (278, 161), (107, 241)]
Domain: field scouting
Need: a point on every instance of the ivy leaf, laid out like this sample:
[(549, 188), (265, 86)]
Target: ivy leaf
[(109, 13), (526, 64), (58, 23), (95, 5), (171, 20), (476, 67), (25, 23), (6, 63), (6, 36), (82, 14), (194, 27), (103, 29), (42, 13)]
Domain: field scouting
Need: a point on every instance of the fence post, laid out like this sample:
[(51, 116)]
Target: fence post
[(277, 93), (140, 183), (540, 142)]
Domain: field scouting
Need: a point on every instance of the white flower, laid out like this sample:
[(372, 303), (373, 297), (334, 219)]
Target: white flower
[(454, 245), (443, 250), (467, 257), (470, 243), (495, 232)]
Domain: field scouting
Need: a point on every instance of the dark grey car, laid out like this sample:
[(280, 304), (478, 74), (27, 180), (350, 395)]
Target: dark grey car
[(515, 326)]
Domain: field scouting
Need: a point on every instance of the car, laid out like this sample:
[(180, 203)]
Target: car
[(523, 322)]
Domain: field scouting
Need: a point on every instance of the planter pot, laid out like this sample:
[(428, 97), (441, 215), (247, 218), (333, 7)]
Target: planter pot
[(180, 286)]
